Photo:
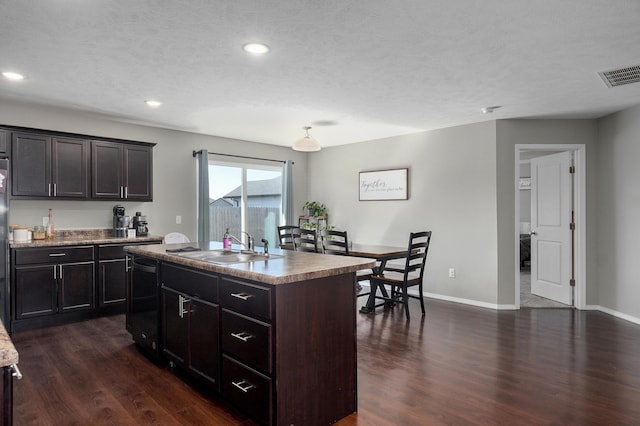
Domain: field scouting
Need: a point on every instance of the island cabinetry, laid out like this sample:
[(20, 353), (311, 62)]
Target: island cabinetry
[(45, 166), (288, 350), (121, 171), (246, 337), (52, 281), (190, 321), (113, 268)]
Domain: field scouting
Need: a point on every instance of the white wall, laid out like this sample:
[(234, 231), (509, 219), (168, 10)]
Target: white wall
[(174, 175), (618, 212), (452, 193)]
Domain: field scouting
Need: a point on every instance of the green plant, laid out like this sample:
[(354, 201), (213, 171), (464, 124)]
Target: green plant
[(315, 208)]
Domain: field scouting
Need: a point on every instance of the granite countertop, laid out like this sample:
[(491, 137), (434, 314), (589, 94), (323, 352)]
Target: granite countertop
[(291, 267), (8, 352), (88, 236)]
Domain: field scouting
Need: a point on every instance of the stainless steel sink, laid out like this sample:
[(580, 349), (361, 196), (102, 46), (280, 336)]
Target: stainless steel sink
[(225, 257)]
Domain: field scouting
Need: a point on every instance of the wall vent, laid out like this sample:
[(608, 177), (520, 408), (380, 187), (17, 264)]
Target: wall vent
[(621, 76)]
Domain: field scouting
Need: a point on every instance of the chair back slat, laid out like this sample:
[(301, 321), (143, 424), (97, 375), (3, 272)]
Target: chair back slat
[(418, 248), (308, 240), (289, 236), (334, 242)]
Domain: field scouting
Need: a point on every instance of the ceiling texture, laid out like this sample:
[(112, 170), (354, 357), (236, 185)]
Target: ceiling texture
[(354, 70)]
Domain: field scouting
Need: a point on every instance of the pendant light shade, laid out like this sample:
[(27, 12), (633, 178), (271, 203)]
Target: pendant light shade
[(307, 143)]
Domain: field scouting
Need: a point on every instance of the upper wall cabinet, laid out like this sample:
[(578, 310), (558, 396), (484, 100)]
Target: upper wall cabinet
[(121, 171), (4, 142), (46, 166)]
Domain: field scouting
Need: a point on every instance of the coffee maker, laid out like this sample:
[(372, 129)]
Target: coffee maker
[(120, 222), (140, 225)]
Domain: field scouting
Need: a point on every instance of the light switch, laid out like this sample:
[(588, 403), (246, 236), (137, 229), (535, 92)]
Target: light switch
[(178, 220)]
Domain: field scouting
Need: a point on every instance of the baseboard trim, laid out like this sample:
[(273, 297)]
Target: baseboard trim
[(617, 314), (512, 307)]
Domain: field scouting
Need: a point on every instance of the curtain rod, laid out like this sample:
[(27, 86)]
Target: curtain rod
[(240, 156)]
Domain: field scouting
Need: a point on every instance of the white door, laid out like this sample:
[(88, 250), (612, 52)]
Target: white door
[(551, 237)]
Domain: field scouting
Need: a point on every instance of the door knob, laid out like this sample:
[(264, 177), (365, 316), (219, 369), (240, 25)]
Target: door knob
[(533, 233)]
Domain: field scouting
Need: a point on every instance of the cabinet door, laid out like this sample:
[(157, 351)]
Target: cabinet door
[(138, 172), (4, 141), (76, 286), (30, 165), (70, 168), (203, 334), (175, 326), (106, 170), (35, 291), (112, 282)]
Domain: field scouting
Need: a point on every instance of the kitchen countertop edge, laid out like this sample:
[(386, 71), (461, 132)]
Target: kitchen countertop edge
[(8, 352), (74, 241), (291, 267)]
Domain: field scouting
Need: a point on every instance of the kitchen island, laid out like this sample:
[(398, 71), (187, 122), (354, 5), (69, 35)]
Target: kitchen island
[(274, 335)]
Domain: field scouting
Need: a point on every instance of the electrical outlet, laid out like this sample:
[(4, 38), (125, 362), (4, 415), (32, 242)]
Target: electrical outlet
[(178, 220), (452, 273), (45, 221)]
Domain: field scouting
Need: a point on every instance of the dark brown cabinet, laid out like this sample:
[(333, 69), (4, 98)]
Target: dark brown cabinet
[(4, 141), (52, 281), (190, 321), (121, 171), (113, 268), (45, 166), (283, 357)]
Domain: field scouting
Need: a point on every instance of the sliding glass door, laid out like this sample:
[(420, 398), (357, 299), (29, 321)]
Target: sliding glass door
[(244, 198)]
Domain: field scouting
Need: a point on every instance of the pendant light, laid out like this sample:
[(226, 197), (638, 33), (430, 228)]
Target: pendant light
[(307, 143)]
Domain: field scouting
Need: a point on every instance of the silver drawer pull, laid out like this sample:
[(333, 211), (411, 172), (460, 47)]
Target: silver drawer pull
[(243, 296), (243, 335), (243, 385), (57, 254), (16, 371)]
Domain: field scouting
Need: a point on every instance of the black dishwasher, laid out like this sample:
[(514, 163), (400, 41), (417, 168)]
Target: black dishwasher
[(142, 305)]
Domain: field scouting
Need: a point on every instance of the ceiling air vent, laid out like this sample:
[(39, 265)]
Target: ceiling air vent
[(621, 76)]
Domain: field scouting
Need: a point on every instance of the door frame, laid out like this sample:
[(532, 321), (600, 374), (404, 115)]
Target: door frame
[(579, 206)]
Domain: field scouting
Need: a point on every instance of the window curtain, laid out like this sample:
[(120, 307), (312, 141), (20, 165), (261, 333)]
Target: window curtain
[(203, 196), (287, 192)]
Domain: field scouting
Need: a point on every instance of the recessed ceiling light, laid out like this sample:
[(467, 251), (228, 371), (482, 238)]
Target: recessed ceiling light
[(256, 48), (153, 104), (12, 75)]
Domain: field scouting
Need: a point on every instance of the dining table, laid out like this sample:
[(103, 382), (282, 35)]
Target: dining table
[(382, 254)]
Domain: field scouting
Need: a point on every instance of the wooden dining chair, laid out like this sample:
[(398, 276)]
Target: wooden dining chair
[(400, 279), (337, 242), (288, 236), (308, 240)]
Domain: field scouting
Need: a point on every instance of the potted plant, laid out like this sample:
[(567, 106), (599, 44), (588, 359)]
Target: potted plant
[(315, 208)]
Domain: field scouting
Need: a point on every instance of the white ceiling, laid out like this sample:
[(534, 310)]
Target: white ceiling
[(354, 70)]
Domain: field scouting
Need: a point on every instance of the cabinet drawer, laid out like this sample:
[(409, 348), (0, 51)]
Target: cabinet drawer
[(248, 389), (53, 255), (248, 299), (116, 251), (190, 282), (247, 339)]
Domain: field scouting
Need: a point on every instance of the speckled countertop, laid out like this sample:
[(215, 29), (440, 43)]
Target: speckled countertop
[(8, 352), (291, 267), (88, 236)]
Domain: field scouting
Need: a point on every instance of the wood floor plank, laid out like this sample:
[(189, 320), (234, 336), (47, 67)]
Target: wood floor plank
[(458, 365)]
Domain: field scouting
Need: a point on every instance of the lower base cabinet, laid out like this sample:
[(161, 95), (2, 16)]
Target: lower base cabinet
[(190, 321), (282, 354)]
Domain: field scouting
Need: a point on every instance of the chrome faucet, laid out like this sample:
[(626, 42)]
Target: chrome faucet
[(249, 245)]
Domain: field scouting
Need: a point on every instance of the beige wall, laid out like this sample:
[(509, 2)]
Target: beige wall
[(461, 187), (618, 212), (452, 193), (174, 175), (512, 132)]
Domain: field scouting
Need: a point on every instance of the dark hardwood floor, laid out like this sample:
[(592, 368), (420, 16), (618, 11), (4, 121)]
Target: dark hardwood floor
[(458, 365)]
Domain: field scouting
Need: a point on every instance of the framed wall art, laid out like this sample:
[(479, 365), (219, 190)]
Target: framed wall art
[(384, 185)]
